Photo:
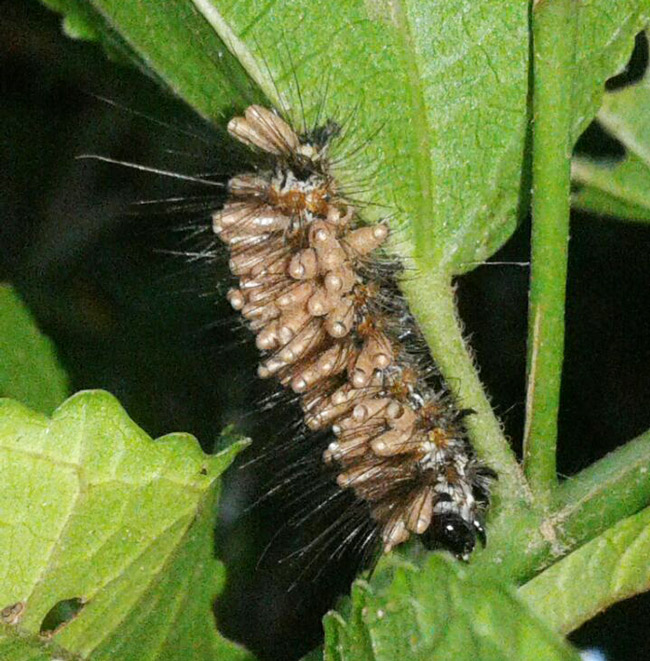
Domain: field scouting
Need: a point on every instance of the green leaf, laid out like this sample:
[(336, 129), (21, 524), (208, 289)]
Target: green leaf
[(439, 612), (95, 512), (29, 370), (614, 566), (620, 189), (437, 93), (605, 38)]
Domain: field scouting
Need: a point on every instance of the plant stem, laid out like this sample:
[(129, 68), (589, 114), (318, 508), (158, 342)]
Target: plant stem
[(562, 602), (553, 50), (614, 487), (432, 301), (524, 542)]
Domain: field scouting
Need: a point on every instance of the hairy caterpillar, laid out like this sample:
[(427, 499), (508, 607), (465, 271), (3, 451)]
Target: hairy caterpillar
[(332, 330)]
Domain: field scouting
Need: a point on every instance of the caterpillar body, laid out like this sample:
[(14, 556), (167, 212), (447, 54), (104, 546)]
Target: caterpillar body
[(333, 330)]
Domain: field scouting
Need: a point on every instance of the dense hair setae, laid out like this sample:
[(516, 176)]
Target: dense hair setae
[(315, 287)]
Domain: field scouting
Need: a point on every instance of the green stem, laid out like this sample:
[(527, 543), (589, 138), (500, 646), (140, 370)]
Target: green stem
[(432, 301), (553, 49), (614, 487), (523, 542), (564, 604)]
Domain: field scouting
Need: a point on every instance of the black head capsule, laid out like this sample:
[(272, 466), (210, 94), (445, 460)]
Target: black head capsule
[(451, 532)]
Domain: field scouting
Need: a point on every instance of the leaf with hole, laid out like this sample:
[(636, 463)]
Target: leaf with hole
[(107, 535)]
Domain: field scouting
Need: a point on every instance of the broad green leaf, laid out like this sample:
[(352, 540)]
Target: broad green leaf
[(620, 189), (96, 512), (29, 370), (439, 612), (436, 92), (614, 566)]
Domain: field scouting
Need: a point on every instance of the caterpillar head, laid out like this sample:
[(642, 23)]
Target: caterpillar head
[(452, 532)]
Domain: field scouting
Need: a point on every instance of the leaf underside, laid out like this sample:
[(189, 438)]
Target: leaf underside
[(435, 95)]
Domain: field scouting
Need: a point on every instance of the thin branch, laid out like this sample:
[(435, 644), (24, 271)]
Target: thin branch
[(553, 49), (614, 487)]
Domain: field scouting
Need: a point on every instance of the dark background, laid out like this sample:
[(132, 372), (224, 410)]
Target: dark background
[(132, 296)]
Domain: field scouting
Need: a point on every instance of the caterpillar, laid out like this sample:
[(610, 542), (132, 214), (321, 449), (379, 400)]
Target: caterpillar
[(333, 330)]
